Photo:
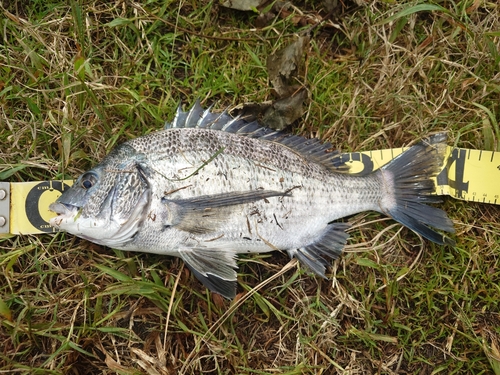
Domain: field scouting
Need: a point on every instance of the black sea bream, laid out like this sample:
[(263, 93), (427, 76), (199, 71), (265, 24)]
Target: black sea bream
[(210, 186)]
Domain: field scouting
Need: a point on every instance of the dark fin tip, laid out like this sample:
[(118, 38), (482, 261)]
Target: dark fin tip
[(226, 288), (411, 174), (329, 246)]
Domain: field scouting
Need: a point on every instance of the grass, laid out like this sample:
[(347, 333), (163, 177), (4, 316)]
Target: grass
[(77, 79)]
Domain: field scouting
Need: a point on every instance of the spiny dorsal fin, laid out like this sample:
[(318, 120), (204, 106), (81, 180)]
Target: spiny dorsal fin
[(312, 149)]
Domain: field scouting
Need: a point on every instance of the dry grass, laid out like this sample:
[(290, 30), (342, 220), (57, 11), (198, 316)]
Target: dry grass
[(77, 79)]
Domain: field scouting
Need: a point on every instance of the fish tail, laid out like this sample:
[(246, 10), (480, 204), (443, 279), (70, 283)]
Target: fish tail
[(408, 184)]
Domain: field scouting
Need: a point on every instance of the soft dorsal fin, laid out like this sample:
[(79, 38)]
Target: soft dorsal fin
[(312, 149)]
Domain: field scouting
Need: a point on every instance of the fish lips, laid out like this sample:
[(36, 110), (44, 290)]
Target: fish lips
[(64, 211), (69, 203)]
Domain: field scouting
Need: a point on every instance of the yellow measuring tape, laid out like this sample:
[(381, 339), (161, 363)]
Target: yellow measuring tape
[(471, 175)]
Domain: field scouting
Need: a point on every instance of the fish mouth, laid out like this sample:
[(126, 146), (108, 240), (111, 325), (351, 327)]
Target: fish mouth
[(64, 210)]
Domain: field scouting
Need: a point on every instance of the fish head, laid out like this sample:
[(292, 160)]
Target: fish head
[(107, 204)]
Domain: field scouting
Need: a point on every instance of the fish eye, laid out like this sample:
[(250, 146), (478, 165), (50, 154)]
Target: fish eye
[(88, 180)]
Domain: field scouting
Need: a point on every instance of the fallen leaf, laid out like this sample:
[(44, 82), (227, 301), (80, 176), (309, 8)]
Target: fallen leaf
[(243, 4), (284, 65), (252, 111), (285, 111), (330, 5)]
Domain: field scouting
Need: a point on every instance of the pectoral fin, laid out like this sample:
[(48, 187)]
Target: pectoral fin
[(205, 213), (215, 268)]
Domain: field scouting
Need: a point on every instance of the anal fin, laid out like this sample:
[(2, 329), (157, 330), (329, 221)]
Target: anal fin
[(315, 255)]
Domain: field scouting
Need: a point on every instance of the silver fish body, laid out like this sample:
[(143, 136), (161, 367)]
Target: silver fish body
[(208, 187)]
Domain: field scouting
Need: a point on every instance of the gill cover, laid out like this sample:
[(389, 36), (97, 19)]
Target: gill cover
[(106, 204)]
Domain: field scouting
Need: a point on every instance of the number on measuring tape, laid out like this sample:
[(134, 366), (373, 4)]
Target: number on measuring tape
[(457, 159)]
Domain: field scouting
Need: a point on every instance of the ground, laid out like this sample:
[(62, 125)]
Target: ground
[(78, 77)]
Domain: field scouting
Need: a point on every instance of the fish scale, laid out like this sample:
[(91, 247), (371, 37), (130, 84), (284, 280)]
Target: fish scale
[(210, 186), (223, 178)]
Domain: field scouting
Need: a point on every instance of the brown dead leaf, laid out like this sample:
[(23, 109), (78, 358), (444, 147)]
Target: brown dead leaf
[(330, 5), (243, 4), (285, 111), (252, 111), (286, 10), (284, 65), (112, 364), (218, 300), (150, 364)]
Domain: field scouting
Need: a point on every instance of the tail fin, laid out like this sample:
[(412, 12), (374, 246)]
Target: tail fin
[(408, 178)]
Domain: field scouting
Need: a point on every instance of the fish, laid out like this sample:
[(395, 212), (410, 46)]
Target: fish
[(210, 186)]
